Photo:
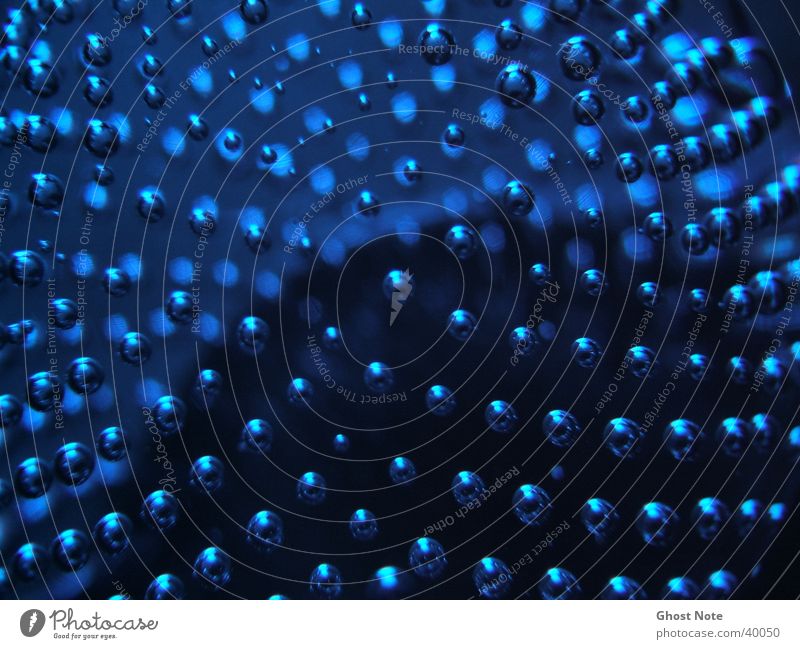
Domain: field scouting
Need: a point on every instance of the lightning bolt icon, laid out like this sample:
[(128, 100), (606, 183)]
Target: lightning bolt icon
[(400, 292), (32, 621)]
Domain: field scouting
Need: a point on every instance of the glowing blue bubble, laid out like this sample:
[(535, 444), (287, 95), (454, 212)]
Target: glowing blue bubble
[(532, 504), (440, 400), (709, 516), (501, 416), (311, 488), (492, 578), (427, 558), (326, 581), (402, 470), (558, 583), (623, 437), (265, 531), (721, 584), (681, 588), (683, 439), (212, 568), (467, 487), (599, 518), (161, 509), (166, 586), (229, 145), (748, 515), (620, 588), (363, 526), (657, 524), (112, 533)]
